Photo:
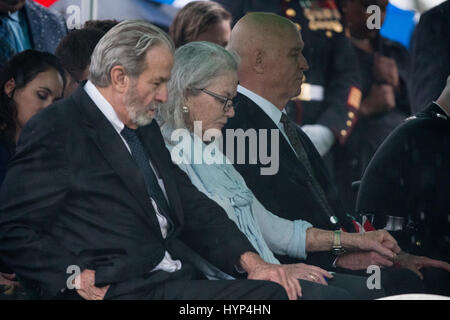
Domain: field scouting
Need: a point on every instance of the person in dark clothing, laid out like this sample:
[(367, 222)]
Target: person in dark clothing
[(25, 24), (102, 25), (330, 95), (201, 21), (30, 81), (430, 51), (409, 178), (383, 70), (74, 51)]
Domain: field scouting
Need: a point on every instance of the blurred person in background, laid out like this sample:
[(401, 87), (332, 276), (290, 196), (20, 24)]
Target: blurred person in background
[(25, 24), (103, 25), (430, 51), (30, 81), (384, 71), (74, 52), (201, 21)]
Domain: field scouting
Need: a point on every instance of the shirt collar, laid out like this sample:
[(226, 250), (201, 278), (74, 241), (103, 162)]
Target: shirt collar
[(443, 110), (268, 107), (105, 107), (14, 16)]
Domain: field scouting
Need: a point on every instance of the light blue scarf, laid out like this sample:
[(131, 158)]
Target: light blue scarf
[(223, 184)]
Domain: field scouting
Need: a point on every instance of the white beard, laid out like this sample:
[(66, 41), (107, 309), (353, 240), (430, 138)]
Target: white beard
[(138, 114)]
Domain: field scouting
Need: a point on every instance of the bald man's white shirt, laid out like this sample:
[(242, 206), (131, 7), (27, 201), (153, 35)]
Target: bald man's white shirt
[(320, 135)]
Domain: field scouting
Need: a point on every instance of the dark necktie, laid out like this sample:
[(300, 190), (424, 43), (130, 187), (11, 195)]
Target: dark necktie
[(302, 157), (142, 160)]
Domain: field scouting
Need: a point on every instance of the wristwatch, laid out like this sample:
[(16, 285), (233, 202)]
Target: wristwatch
[(338, 249)]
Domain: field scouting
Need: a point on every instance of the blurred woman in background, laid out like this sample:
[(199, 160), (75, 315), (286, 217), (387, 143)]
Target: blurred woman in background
[(30, 81), (201, 21)]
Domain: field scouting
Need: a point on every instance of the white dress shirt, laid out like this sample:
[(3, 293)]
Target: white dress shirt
[(445, 111), (167, 263), (321, 136), (268, 107)]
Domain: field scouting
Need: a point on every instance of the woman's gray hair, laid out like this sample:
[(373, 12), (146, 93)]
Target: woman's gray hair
[(196, 65), (126, 44)]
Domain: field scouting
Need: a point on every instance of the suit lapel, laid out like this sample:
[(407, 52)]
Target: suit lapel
[(261, 120), (116, 154), (252, 116), (35, 32)]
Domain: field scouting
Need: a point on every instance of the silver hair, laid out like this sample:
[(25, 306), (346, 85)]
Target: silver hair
[(196, 65), (126, 44)]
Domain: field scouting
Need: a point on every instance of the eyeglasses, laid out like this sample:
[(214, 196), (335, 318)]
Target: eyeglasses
[(227, 102)]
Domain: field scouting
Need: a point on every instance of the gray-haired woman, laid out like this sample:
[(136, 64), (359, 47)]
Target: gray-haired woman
[(202, 86)]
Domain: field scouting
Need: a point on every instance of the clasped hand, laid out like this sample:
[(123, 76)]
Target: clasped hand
[(369, 248)]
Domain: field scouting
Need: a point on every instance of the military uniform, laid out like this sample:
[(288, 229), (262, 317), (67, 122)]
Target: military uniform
[(351, 159), (330, 93)]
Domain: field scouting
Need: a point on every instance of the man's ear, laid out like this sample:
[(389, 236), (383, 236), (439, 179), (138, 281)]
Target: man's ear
[(119, 79), (9, 87), (258, 61)]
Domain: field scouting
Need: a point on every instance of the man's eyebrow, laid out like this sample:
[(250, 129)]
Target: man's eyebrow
[(161, 79)]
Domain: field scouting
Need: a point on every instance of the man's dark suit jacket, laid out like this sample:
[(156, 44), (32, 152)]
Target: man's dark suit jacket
[(74, 196), (285, 193)]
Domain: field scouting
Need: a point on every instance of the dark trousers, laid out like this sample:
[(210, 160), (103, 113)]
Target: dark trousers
[(436, 281), (188, 284), (204, 290), (394, 281), (355, 289), (356, 286)]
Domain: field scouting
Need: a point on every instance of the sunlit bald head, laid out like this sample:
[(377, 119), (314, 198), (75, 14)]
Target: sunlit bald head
[(270, 49), (260, 30)]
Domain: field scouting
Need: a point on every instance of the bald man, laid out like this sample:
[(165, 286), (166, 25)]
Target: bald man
[(266, 60), (270, 74)]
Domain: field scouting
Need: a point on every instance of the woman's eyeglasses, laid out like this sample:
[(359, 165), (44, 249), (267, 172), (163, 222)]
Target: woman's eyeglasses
[(227, 102)]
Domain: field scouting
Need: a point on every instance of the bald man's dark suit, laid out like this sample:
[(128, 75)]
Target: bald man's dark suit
[(286, 194)]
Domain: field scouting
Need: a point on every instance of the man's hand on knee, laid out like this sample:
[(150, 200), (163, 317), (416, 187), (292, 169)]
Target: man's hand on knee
[(87, 289)]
